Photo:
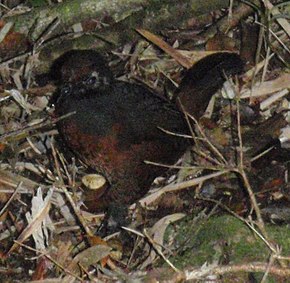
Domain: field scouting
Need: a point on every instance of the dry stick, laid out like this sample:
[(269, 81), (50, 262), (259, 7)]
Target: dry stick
[(158, 250), (257, 57), (223, 25), (182, 60), (250, 267), (137, 244), (187, 116), (282, 257), (275, 12), (242, 172), (207, 157), (36, 46), (51, 259), (270, 263), (214, 149), (266, 65), (11, 198), (64, 167), (175, 134), (179, 186), (33, 127), (213, 168), (262, 154), (68, 196), (73, 172), (202, 154), (76, 210), (15, 58), (153, 244), (51, 27), (278, 39)]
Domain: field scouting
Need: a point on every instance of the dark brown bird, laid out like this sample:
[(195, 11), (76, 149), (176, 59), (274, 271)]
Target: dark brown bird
[(76, 65), (118, 125)]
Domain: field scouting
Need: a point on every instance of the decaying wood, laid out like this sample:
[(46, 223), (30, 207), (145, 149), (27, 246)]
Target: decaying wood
[(153, 13), (115, 23)]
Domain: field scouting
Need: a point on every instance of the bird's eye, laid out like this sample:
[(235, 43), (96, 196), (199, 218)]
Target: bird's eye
[(66, 89), (91, 81)]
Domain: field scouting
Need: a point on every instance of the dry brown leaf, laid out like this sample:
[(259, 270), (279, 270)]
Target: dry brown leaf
[(87, 258), (273, 98), (283, 22), (96, 240), (11, 181), (11, 42), (195, 55), (268, 87), (176, 187), (182, 60), (221, 42), (63, 252), (157, 232)]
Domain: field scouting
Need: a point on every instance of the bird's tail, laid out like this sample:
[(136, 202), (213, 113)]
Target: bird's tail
[(203, 79)]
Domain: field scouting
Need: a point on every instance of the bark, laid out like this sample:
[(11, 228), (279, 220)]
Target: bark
[(116, 20), (153, 13)]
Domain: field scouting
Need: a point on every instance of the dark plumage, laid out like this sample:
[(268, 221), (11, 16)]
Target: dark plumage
[(117, 126)]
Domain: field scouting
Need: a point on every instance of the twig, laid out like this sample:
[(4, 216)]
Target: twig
[(207, 157), (153, 244), (51, 259), (159, 251), (250, 267), (245, 179), (11, 198), (68, 196), (270, 263), (262, 154), (213, 168), (176, 187), (33, 127), (213, 148)]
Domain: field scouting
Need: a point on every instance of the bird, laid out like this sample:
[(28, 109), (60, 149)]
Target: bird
[(75, 65), (117, 125)]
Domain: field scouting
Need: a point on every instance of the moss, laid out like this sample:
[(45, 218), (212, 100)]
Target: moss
[(223, 239)]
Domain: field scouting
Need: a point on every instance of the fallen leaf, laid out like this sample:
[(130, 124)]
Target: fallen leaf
[(35, 222), (87, 258), (182, 60), (158, 231)]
